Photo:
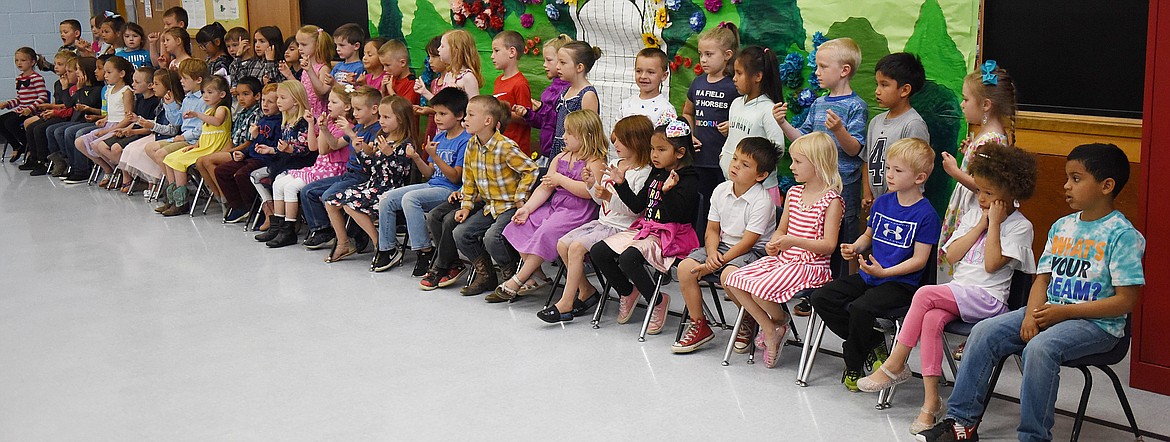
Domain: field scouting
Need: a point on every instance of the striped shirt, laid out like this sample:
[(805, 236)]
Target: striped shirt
[(30, 91), (496, 172)]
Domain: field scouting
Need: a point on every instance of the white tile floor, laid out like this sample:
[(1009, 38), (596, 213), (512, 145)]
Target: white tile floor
[(117, 324)]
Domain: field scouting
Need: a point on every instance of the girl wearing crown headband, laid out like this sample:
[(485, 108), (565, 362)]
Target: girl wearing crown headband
[(665, 232)]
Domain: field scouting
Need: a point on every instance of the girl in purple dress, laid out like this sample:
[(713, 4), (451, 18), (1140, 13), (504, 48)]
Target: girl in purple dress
[(560, 204)]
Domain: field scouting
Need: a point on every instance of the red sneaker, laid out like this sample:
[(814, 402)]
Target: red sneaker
[(697, 334), (453, 275), (747, 332)]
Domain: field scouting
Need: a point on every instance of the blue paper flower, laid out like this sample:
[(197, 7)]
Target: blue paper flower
[(818, 39), (806, 97), (790, 70), (813, 83), (785, 183), (798, 119), (673, 5), (698, 21), (552, 12)]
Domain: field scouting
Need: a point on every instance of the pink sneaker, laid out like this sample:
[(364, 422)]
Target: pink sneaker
[(626, 306), (658, 315)]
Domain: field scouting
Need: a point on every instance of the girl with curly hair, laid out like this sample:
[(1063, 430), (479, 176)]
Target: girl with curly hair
[(988, 246)]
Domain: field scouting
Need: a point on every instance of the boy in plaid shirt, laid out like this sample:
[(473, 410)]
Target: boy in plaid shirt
[(498, 174)]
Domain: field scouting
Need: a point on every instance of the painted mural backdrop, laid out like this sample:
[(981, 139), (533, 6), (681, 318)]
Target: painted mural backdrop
[(942, 32)]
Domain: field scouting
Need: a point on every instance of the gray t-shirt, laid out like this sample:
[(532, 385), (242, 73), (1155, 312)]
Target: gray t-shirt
[(883, 132)]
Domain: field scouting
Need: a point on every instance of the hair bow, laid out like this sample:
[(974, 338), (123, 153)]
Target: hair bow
[(111, 14), (677, 128), (349, 89), (989, 75)]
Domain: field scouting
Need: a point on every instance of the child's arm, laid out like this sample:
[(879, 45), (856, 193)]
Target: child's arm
[(636, 202), (850, 252), (866, 194), (215, 119), (780, 114), (327, 141), (424, 168), (316, 78), (951, 166), (453, 174), (576, 187), (993, 257), (525, 167), (538, 197), (311, 136), (1046, 315), (823, 246), (915, 263), (848, 133), (469, 85), (960, 246), (590, 101)]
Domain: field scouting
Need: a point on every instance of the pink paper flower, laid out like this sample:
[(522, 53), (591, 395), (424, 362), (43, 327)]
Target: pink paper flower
[(713, 5), (527, 21)]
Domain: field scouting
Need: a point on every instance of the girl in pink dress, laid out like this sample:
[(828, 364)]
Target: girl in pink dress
[(799, 251), (317, 51), (561, 203)]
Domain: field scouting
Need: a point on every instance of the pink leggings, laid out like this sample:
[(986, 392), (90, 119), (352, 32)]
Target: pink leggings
[(933, 307)]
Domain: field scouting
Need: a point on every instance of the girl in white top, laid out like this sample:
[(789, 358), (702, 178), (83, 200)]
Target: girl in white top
[(992, 241), (118, 73), (631, 139), (757, 78)]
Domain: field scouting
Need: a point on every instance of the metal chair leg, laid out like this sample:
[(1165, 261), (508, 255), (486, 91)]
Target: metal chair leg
[(813, 333), (195, 197), (210, 197), (731, 341), (887, 395), (1137, 434), (650, 306), (556, 281), (1084, 404)]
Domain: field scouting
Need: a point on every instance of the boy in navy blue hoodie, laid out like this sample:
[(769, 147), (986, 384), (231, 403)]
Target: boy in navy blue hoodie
[(234, 177)]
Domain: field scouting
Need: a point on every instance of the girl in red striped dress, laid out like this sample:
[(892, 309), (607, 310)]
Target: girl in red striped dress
[(30, 91), (799, 251)]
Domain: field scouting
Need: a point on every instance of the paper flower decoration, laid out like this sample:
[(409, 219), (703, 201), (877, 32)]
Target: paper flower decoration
[(817, 40), (687, 62), (650, 41), (526, 20), (661, 18), (551, 11), (790, 70), (698, 21), (673, 66), (713, 5), (806, 97), (673, 5), (698, 69), (813, 83)]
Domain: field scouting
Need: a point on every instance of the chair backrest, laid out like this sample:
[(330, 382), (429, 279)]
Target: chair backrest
[(1019, 290)]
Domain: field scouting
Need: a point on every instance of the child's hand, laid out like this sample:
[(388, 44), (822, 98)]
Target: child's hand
[(26, 111), (617, 174), (670, 181), (360, 145), (455, 197), (101, 121), (536, 105), (714, 262), (328, 80), (521, 216), (238, 156), (872, 267), (187, 149), (270, 53), (1029, 328), (997, 212), (461, 215), (780, 112), (432, 148), (343, 124), (848, 252), (587, 178), (410, 152), (388, 87), (551, 180), (866, 203), (265, 150), (81, 107), (305, 63), (254, 130), (419, 86), (518, 111), (698, 144), (283, 146), (309, 118), (950, 164), (285, 71), (46, 114), (1048, 315), (189, 114), (832, 121), (723, 127)]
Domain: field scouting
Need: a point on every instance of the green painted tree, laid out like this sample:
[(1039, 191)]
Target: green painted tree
[(940, 109), (390, 26), (940, 56), (771, 23)]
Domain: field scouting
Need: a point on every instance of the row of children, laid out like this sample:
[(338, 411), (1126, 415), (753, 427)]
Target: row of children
[(337, 146)]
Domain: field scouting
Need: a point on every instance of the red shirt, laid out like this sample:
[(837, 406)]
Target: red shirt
[(511, 91), (404, 87)]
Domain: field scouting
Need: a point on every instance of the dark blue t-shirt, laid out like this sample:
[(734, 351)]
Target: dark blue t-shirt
[(712, 102), (269, 133), (895, 230), (368, 134)]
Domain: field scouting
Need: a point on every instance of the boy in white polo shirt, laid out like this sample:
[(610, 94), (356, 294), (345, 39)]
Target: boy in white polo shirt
[(741, 220)]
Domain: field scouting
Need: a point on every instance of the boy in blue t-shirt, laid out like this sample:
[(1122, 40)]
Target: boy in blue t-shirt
[(441, 162), (843, 115), (903, 228), (1088, 280), (348, 39)]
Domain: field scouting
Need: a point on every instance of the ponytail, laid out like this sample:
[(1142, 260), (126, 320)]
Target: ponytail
[(39, 61), (761, 60)]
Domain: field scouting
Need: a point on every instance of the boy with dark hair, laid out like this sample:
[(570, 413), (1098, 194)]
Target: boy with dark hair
[(70, 31), (498, 173), (1089, 278), (511, 87), (349, 39), (898, 76), (741, 221), (448, 107)]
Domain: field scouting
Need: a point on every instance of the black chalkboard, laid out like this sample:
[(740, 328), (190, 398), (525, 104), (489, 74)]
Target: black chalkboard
[(329, 14), (1083, 57)]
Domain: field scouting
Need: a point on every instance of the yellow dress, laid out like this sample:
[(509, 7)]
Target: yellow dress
[(212, 140)]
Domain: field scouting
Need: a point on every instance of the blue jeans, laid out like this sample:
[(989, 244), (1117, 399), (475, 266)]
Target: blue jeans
[(851, 226), (995, 338), (77, 160), (414, 201), (311, 205)]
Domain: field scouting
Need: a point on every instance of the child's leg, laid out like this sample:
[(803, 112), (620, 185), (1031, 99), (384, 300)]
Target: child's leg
[(292, 193), (991, 340), (862, 314), (830, 301), (362, 220), (414, 205), (606, 261), (689, 272), (337, 221), (633, 264), (441, 225), (500, 249), (932, 308), (180, 176), (279, 185), (388, 207), (1066, 340), (206, 166), (565, 303), (530, 265), (469, 235)]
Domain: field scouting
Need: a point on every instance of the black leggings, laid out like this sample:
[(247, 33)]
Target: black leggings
[(849, 307), (38, 138), (12, 129), (621, 270)]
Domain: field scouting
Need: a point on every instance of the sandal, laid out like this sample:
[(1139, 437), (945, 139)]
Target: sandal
[(772, 353), (503, 293), (528, 289), (350, 250)]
